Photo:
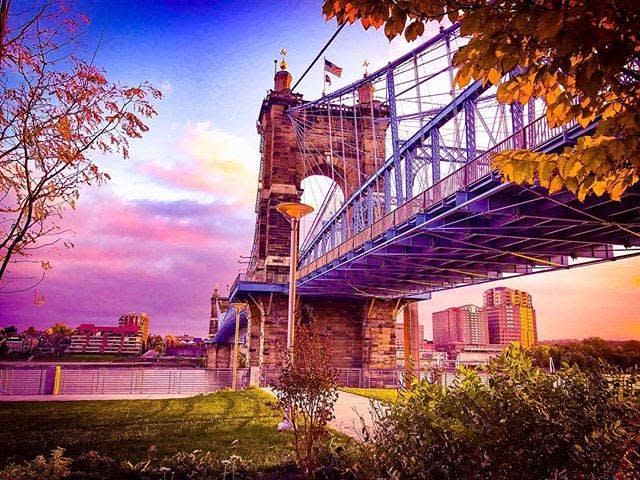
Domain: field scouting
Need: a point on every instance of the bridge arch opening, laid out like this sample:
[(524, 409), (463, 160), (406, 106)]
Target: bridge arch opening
[(325, 196)]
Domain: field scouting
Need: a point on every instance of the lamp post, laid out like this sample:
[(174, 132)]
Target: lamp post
[(238, 306), (294, 212)]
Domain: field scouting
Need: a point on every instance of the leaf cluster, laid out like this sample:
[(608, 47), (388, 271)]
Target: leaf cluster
[(523, 423), (582, 57)]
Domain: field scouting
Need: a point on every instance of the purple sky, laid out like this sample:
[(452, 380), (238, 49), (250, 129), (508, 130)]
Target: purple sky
[(178, 214)]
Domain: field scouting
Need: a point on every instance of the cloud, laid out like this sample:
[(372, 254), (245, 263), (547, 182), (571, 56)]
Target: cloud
[(166, 88), (161, 257), (211, 161)]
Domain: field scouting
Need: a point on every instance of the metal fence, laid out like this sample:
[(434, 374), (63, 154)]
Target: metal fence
[(75, 380), (368, 378), (115, 380), (22, 381)]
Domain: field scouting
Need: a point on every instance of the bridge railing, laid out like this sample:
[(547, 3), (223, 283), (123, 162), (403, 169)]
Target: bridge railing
[(260, 277), (531, 136)]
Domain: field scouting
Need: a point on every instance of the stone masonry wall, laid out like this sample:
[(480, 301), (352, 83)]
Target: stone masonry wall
[(275, 333), (378, 334), (341, 320)]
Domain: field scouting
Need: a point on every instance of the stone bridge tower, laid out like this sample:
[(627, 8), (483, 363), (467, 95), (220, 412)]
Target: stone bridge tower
[(362, 329)]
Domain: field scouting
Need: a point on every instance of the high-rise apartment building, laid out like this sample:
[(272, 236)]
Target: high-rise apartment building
[(510, 316), (466, 325), (139, 320)]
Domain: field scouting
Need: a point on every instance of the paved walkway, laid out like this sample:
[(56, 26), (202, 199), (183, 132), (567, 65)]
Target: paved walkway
[(353, 413), (68, 398)]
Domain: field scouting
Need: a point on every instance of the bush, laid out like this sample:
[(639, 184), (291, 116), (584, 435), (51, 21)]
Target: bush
[(41, 468), (196, 465), (307, 391), (524, 423)]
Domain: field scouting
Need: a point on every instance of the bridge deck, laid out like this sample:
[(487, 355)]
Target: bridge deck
[(472, 228)]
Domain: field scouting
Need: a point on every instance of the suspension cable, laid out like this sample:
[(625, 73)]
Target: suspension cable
[(326, 45)]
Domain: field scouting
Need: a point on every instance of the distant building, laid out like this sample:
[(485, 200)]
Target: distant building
[(426, 345), (121, 340), (473, 355), (20, 343), (511, 316), (457, 328), (139, 320)]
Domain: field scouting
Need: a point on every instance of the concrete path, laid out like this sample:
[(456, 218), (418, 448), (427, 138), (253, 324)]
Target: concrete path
[(69, 398), (352, 412)]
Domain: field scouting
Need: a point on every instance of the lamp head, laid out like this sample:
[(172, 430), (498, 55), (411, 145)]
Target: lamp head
[(294, 210)]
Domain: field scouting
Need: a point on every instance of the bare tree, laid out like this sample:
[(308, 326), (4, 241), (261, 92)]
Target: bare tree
[(58, 113)]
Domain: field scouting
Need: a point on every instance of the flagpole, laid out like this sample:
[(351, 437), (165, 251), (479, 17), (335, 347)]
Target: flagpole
[(324, 76)]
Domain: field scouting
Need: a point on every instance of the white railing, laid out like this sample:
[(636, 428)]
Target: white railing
[(75, 380), (22, 381), (371, 378)]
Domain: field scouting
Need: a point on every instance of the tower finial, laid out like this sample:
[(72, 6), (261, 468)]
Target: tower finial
[(283, 63)]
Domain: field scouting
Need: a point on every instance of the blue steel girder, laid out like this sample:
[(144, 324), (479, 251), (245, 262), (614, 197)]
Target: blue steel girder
[(435, 155), (434, 253), (387, 191), (494, 228), (409, 174), (393, 124), (470, 129), (416, 140)]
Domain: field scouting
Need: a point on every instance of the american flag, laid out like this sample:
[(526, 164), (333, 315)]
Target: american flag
[(332, 68)]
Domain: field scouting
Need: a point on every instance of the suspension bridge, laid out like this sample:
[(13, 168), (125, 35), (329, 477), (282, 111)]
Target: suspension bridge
[(413, 205)]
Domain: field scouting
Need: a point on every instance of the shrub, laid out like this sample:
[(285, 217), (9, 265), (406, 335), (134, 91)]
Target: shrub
[(307, 391), (524, 423), (41, 468), (196, 465), (93, 466)]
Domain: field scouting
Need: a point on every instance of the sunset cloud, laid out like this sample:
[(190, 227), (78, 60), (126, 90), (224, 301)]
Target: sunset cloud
[(160, 257), (211, 161)]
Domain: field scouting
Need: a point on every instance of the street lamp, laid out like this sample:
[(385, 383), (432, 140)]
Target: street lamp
[(238, 306), (294, 212)]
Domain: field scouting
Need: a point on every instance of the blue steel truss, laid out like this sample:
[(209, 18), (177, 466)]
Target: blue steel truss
[(464, 228)]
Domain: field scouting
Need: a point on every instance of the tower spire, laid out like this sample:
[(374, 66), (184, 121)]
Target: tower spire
[(282, 79)]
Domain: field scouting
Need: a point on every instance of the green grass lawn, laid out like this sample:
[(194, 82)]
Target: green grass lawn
[(388, 395), (125, 429)]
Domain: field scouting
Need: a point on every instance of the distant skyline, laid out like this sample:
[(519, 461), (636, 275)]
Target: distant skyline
[(177, 215)]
